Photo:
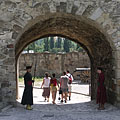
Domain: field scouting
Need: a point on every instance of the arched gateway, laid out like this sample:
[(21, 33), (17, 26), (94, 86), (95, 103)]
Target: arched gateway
[(85, 29), (78, 29)]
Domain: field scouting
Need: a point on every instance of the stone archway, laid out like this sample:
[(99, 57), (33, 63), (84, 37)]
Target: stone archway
[(81, 30)]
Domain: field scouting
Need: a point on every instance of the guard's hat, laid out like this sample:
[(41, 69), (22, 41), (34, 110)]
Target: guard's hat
[(28, 67), (100, 68)]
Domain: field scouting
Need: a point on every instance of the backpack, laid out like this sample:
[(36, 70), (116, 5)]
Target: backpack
[(70, 80)]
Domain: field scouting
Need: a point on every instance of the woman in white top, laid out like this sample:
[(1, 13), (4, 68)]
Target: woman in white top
[(46, 87)]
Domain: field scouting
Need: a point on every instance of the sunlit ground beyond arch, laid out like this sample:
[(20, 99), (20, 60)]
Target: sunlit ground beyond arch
[(80, 94)]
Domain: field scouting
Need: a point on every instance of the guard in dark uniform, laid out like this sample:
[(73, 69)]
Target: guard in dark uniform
[(27, 98)]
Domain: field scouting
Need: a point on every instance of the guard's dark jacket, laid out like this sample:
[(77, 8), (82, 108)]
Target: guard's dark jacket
[(27, 98)]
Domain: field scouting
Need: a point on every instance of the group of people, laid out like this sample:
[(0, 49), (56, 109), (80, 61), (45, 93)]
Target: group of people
[(64, 84), (48, 84), (51, 83)]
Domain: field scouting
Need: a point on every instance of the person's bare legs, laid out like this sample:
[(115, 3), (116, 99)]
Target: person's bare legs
[(62, 96), (65, 97), (70, 95), (54, 96), (69, 91), (47, 99)]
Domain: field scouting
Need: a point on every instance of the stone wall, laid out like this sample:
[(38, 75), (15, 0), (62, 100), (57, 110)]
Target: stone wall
[(53, 63), (95, 24)]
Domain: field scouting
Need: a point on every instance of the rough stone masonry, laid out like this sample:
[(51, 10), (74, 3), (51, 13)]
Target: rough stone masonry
[(53, 63), (94, 24)]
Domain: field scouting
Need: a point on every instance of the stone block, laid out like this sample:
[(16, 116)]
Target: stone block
[(14, 35), (117, 54), (74, 9), (118, 99), (2, 56), (69, 6), (62, 7), (81, 10), (111, 96), (5, 37), (96, 14), (52, 8), (7, 16), (118, 82), (2, 23), (4, 84), (112, 31), (11, 52), (46, 8), (118, 89), (117, 64), (17, 28), (2, 72), (24, 0), (117, 71), (9, 61), (0, 94)]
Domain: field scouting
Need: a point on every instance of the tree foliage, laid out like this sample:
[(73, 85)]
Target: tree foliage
[(46, 44), (54, 45), (51, 42)]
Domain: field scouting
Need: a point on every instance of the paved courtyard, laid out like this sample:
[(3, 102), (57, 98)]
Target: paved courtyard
[(79, 108)]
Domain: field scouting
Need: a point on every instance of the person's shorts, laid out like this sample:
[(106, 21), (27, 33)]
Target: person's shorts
[(64, 90), (53, 88)]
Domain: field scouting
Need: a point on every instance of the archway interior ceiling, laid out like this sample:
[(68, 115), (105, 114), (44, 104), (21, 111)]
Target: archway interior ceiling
[(79, 31)]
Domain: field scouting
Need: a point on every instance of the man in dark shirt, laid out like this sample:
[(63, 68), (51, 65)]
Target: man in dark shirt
[(27, 98)]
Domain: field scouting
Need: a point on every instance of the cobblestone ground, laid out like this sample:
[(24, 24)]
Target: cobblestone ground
[(79, 108)]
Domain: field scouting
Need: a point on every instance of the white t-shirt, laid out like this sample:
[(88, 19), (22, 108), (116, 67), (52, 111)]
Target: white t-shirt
[(46, 82), (70, 76)]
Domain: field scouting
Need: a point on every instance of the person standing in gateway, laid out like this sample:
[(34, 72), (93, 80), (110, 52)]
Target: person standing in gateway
[(27, 98), (101, 89), (46, 87), (69, 83), (64, 86)]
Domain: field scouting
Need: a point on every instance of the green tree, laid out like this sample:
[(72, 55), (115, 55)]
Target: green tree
[(59, 41), (52, 45), (51, 42), (46, 44), (66, 45), (31, 46), (79, 48)]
